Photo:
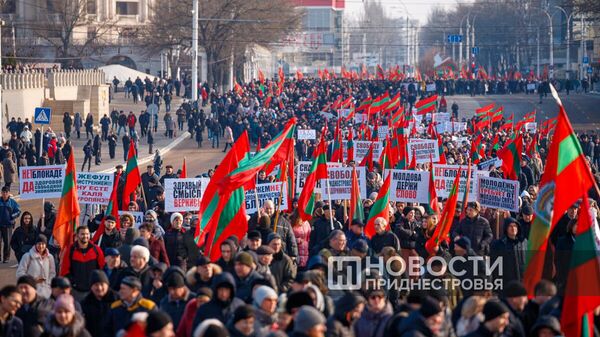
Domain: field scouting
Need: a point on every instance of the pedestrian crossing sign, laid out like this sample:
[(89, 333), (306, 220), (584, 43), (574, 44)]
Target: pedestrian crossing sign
[(42, 115)]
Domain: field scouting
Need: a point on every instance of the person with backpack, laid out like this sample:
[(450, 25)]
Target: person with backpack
[(80, 259)]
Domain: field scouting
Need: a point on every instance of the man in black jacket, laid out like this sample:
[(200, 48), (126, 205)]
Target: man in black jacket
[(476, 228), (34, 310), (511, 247), (10, 301), (496, 320), (96, 304), (322, 227), (224, 302)]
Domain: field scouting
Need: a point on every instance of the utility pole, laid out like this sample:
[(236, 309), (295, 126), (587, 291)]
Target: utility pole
[(568, 40), (551, 32), (2, 23), (538, 52), (468, 51), (407, 46), (583, 49), (195, 51)]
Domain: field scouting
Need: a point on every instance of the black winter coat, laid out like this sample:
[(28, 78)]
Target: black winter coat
[(414, 326), (34, 316), (478, 231), (96, 312)]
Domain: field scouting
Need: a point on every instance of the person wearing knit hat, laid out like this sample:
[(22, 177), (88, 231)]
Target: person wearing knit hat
[(174, 240), (426, 321), (176, 215), (210, 328), (496, 319), (185, 327), (464, 243), (546, 326), (511, 248), (476, 228), (243, 321), (245, 276), (97, 302), (254, 240), (265, 309), (65, 320), (348, 309), (309, 321), (40, 264), (159, 324), (178, 296)]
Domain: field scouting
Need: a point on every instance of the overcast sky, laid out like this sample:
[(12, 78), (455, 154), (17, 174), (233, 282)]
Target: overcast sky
[(418, 9)]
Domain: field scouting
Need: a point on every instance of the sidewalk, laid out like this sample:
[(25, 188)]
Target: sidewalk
[(107, 165)]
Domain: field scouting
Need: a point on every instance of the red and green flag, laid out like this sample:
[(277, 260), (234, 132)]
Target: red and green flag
[(379, 103), (318, 170), (441, 231), (483, 111), (397, 117), (132, 176), (508, 125), (511, 155), (566, 178), (392, 104), (350, 146), (465, 198), (337, 153), (356, 210), (267, 159), (433, 206), (380, 208), (582, 293), (426, 105), (67, 217), (367, 161), (210, 200)]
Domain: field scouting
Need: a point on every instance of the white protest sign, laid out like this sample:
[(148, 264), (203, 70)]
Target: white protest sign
[(343, 113), (361, 148), (184, 194), (485, 165), (409, 186), (138, 217), (302, 173), (37, 182), (94, 188), (382, 131), (360, 118), (430, 87), (307, 134), (340, 182), (442, 117), (498, 193), (531, 127), (269, 191), (443, 176), (424, 149)]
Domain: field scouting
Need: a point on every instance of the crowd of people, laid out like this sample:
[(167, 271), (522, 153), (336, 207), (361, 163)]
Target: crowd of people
[(152, 279)]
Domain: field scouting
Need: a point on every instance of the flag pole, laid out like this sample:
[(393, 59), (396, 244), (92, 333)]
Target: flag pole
[(329, 199), (277, 207)]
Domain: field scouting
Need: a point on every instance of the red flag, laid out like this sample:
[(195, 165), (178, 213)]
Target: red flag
[(380, 208), (67, 217), (368, 159), (443, 228), (261, 76), (299, 75), (132, 176), (183, 170), (413, 161), (111, 209)]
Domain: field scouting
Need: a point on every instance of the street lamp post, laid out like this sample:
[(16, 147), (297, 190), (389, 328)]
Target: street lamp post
[(2, 23), (551, 72), (460, 45), (568, 16), (195, 51)]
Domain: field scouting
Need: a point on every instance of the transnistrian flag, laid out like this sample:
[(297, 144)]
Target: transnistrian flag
[(443, 228), (379, 103), (270, 156), (132, 176), (67, 217), (582, 293), (508, 125), (337, 153), (350, 146), (566, 178), (380, 208), (356, 210), (511, 155), (368, 159), (465, 198), (392, 104), (318, 170), (210, 199), (397, 116), (484, 110), (426, 105), (433, 206)]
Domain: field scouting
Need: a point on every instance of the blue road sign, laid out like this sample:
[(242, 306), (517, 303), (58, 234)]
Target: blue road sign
[(454, 38), (42, 115), (589, 71), (475, 50), (586, 59)]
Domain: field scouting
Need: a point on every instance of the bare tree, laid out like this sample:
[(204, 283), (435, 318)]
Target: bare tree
[(226, 29), (67, 26)]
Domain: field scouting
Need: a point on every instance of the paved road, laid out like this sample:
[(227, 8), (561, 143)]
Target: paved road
[(583, 109)]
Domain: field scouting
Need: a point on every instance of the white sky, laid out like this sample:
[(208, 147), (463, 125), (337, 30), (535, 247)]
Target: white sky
[(418, 9)]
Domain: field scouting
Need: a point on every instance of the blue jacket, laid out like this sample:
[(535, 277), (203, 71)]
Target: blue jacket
[(9, 212)]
